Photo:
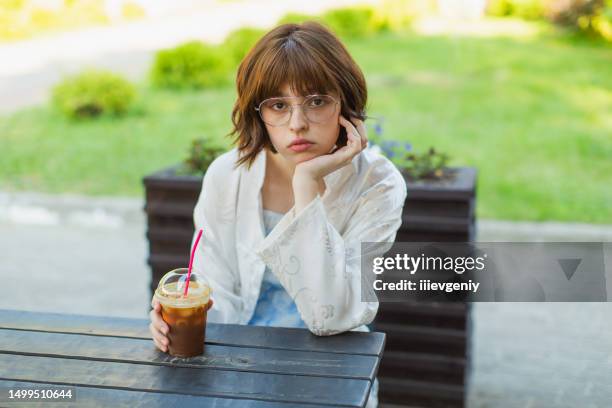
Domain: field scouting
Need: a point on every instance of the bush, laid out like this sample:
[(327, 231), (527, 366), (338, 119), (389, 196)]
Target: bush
[(589, 16), (418, 166), (351, 22), (394, 15), (93, 93), (191, 65), (527, 9), (602, 23), (593, 17), (201, 154), (240, 42)]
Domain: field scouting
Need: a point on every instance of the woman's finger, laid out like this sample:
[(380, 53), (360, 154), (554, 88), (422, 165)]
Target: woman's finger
[(350, 128), (161, 347), (159, 339), (361, 128), (158, 321)]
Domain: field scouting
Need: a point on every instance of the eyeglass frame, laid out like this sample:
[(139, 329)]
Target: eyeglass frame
[(258, 108)]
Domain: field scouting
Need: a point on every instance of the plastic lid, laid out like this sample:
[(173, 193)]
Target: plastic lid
[(172, 286)]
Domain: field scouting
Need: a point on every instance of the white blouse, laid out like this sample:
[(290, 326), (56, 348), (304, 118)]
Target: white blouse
[(315, 254)]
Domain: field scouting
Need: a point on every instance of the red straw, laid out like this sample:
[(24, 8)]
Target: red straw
[(191, 261)]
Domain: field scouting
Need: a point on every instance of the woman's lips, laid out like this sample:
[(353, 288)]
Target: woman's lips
[(300, 147)]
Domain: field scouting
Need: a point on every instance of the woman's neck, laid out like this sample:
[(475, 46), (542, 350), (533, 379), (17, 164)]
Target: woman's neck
[(281, 168)]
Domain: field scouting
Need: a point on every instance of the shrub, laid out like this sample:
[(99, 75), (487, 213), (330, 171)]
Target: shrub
[(394, 15), (93, 93), (602, 23), (527, 9), (191, 65), (201, 154), (593, 17), (351, 22), (239, 42), (588, 16), (417, 166)]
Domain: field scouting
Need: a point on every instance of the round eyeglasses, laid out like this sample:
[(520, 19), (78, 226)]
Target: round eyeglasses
[(316, 108)]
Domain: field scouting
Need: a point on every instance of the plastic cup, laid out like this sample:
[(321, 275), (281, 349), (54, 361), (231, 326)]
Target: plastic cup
[(185, 315)]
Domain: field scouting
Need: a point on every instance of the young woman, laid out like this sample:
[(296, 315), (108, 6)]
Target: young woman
[(285, 212)]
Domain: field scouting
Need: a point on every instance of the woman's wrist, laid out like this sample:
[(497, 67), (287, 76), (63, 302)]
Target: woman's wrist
[(305, 189)]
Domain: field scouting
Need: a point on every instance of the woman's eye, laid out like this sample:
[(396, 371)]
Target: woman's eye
[(317, 102), (278, 106)]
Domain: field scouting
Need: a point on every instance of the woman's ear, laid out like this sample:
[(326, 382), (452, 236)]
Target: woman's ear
[(342, 139)]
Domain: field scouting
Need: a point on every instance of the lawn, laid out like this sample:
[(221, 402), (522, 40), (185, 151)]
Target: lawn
[(534, 115)]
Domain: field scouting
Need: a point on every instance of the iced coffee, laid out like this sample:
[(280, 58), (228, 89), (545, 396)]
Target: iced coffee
[(184, 314)]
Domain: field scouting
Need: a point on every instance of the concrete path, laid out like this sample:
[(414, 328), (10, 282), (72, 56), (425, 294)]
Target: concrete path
[(87, 255)]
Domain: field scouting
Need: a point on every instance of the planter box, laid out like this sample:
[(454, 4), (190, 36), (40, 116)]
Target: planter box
[(427, 352), (426, 358)]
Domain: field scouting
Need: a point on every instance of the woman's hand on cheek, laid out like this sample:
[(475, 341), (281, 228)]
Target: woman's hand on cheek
[(321, 166)]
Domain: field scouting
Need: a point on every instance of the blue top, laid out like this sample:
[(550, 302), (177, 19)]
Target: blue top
[(274, 306)]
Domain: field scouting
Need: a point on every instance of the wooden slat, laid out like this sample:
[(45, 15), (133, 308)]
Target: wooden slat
[(434, 223), (222, 334), (449, 315), (169, 234), (181, 380), (424, 339), (424, 367), (165, 208), (421, 394), (86, 397), (221, 357)]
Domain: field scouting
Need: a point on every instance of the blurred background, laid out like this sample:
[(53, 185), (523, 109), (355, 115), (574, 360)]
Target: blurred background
[(97, 94)]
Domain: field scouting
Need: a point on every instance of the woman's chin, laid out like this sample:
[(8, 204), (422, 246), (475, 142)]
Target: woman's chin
[(303, 157)]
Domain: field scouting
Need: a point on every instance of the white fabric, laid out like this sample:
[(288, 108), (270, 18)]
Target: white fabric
[(315, 254)]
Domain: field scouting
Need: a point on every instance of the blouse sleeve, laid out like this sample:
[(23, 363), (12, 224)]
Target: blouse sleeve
[(213, 257), (321, 269)]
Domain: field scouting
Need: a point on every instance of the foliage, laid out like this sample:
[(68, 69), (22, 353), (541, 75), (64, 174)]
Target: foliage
[(93, 93), (418, 166), (527, 9), (238, 43), (351, 21), (592, 17), (191, 65), (394, 15), (201, 154)]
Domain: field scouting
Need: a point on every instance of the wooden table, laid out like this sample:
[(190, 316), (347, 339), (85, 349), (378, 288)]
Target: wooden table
[(113, 362)]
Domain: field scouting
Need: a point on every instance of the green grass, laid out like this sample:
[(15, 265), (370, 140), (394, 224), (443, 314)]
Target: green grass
[(533, 115)]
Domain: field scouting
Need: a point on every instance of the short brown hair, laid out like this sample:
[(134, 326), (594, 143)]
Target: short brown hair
[(310, 59)]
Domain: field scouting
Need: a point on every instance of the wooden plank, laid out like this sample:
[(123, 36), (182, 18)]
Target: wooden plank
[(424, 367), (424, 339), (435, 223), (183, 380), (221, 357), (449, 315), (354, 343), (418, 393), (105, 397)]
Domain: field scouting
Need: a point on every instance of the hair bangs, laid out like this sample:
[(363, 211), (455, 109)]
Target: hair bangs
[(305, 72)]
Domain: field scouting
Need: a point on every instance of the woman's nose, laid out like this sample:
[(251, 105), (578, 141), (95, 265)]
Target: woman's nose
[(297, 120)]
